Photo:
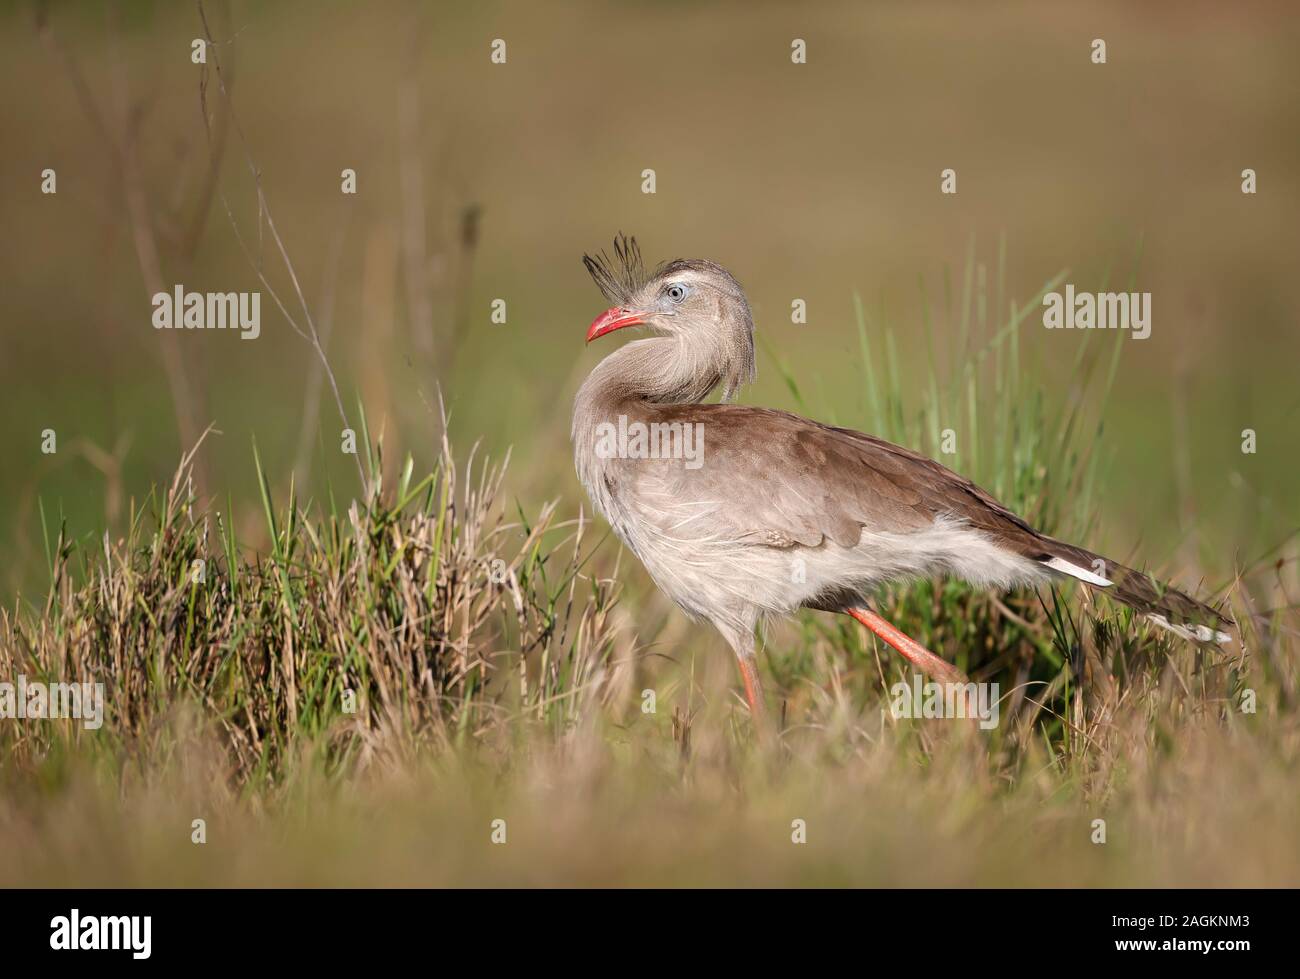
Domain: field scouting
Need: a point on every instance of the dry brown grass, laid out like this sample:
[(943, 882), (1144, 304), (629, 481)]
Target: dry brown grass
[(516, 694), (404, 621)]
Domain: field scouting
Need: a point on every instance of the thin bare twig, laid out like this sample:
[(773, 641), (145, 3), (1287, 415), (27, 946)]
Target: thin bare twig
[(311, 396), (125, 157), (265, 218)]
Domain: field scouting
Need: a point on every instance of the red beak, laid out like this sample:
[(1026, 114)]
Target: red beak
[(614, 319)]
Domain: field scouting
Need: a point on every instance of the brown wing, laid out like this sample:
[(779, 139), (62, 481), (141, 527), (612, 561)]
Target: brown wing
[(780, 479), (773, 478)]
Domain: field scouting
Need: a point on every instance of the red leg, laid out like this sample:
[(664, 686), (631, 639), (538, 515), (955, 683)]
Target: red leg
[(912, 651), (753, 689)]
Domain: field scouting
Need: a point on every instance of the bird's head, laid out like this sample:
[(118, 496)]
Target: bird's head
[(696, 302)]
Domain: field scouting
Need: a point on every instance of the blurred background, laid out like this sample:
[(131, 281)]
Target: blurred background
[(479, 181)]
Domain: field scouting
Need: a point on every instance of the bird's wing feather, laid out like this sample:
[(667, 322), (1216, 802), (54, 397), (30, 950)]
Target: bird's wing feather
[(771, 478), (779, 479)]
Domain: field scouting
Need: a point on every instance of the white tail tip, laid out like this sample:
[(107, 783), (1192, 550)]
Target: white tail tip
[(1196, 633), (1074, 571)]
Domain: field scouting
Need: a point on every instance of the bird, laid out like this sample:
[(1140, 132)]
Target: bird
[(742, 513)]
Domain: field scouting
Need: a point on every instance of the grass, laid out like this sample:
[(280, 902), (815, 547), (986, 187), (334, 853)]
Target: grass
[(354, 688), (366, 633), (362, 698)]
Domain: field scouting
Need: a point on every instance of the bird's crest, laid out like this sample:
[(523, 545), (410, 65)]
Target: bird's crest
[(621, 279)]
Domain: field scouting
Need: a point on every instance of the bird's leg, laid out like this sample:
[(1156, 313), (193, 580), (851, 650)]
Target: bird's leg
[(742, 643), (753, 686), (912, 651)]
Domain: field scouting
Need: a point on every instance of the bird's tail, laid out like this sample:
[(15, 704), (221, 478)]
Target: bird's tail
[(1167, 607)]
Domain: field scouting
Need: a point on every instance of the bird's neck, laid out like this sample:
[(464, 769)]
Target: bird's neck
[(656, 370), (623, 388)]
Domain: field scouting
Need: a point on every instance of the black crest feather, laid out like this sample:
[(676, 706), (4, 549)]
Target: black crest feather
[(623, 277)]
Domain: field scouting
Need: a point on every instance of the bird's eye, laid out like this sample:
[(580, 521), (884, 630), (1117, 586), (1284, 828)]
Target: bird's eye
[(676, 292)]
